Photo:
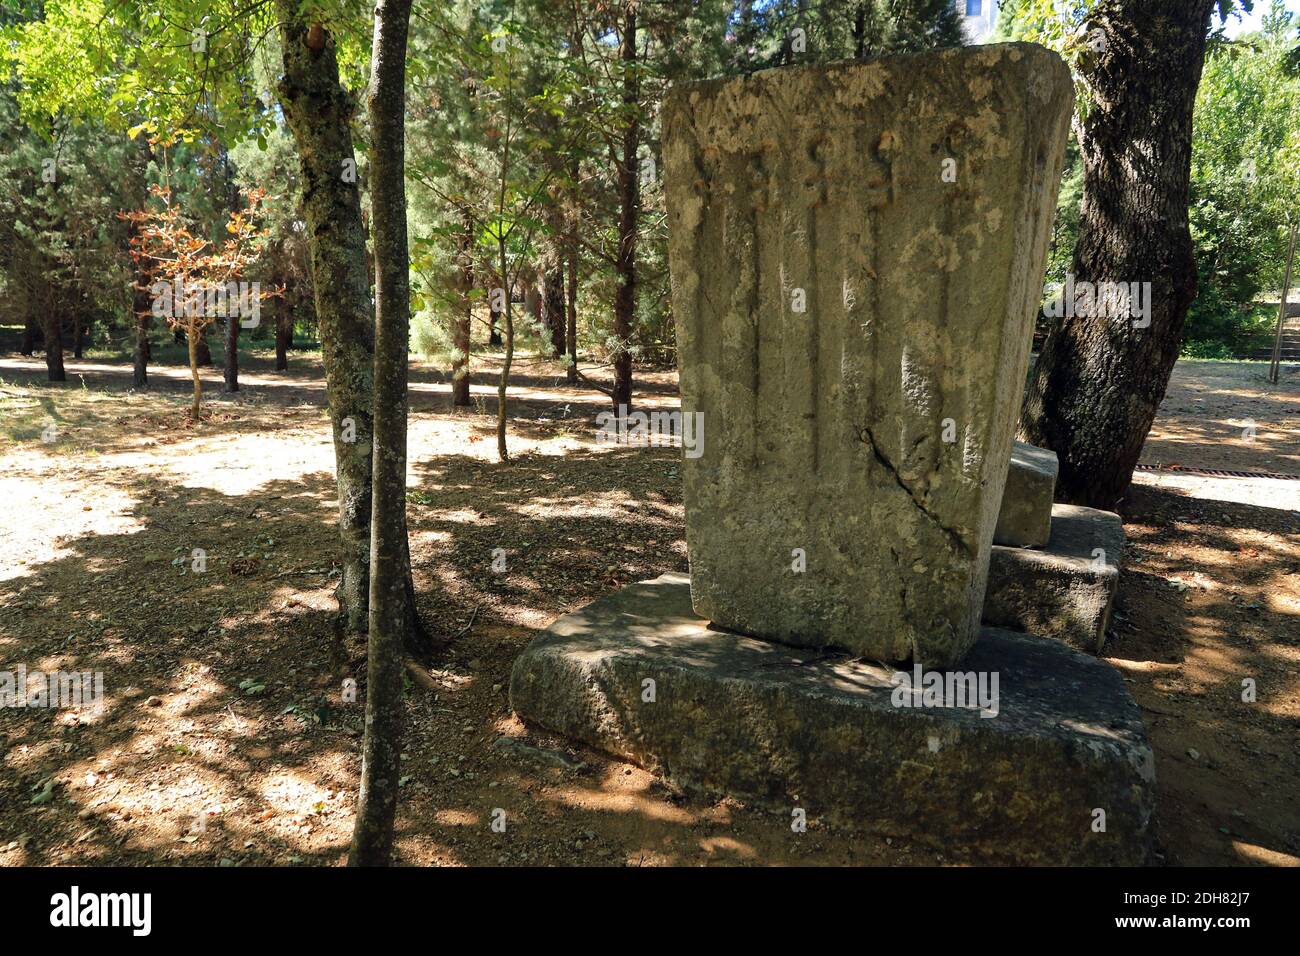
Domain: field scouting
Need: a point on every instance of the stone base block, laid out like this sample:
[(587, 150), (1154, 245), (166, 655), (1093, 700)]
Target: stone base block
[(1025, 520), (638, 675), (1065, 590)]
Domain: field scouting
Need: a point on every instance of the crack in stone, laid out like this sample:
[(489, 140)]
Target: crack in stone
[(955, 540)]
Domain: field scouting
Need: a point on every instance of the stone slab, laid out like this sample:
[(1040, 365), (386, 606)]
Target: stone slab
[(1065, 590), (1025, 519), (782, 727), (856, 253)]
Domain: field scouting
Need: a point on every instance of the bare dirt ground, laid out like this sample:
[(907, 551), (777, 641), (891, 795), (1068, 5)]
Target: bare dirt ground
[(225, 737)]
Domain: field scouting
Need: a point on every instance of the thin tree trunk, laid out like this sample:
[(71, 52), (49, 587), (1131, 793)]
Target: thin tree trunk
[(141, 299), (194, 337), (503, 453), (232, 320), (381, 763), (1100, 378), (232, 353), (284, 328), (143, 320), (232, 371), (1275, 358), (571, 313), (140, 369), (461, 333), (629, 212)]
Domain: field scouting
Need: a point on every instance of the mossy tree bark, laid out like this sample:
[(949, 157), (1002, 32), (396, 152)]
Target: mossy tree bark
[(1100, 378), (319, 113)]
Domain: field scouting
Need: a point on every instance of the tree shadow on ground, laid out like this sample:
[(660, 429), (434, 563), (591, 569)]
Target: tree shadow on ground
[(1208, 612), (225, 734)]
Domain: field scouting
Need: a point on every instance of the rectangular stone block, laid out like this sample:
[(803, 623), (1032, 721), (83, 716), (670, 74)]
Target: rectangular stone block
[(638, 675), (1025, 519), (1065, 590), (857, 254)]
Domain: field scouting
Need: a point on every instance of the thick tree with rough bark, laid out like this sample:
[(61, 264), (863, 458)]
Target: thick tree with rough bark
[(319, 113), (1101, 376), (381, 764)]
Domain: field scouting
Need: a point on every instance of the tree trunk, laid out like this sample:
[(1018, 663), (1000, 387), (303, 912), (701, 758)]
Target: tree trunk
[(461, 333), (54, 347), (284, 327), (381, 763), (494, 315), (319, 113), (140, 368), (1101, 377), (194, 336), (141, 299), (204, 353), (503, 453), (30, 330), (571, 313), (231, 372), (628, 215), (143, 320), (78, 335), (553, 307), (232, 353)]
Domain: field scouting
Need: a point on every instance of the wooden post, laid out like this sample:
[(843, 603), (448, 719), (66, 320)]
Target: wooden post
[(1281, 310)]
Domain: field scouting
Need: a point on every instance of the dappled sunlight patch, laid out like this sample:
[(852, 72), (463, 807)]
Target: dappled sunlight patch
[(727, 847), (244, 464), (1269, 492), (41, 513), (602, 800), (299, 798), (1264, 856), (457, 818)]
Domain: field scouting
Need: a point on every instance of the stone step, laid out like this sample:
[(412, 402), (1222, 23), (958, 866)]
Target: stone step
[(1025, 519), (1063, 591), (638, 675)]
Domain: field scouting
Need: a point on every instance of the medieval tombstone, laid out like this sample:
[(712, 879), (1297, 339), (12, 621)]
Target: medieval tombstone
[(856, 255)]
